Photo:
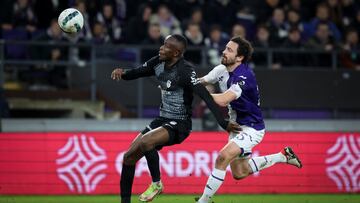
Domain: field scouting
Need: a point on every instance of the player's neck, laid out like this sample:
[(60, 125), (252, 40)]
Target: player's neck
[(232, 67), (170, 63)]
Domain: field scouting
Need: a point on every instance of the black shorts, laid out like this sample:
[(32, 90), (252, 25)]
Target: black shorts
[(178, 130)]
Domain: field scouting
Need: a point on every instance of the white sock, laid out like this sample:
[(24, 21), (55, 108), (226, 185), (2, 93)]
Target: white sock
[(262, 162), (214, 182)]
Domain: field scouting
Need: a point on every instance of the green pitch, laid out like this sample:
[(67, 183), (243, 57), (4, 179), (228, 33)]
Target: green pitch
[(306, 198)]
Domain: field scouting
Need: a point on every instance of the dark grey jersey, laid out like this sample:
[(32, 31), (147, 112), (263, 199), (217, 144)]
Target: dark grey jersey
[(177, 84), (173, 104)]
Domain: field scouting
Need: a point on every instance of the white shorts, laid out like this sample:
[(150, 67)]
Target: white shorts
[(247, 139)]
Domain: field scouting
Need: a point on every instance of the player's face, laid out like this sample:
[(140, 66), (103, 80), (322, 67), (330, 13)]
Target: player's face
[(229, 54), (168, 50)]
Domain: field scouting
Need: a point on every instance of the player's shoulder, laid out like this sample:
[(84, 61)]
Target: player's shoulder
[(187, 64), (220, 68), (186, 71), (246, 70), (186, 67)]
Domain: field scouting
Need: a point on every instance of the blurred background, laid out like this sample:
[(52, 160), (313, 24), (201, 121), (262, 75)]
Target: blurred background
[(306, 59), (306, 55)]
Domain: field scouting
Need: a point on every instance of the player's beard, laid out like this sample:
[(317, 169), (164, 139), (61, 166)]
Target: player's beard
[(227, 61)]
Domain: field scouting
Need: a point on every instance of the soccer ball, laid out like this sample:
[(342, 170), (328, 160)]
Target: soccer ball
[(71, 20)]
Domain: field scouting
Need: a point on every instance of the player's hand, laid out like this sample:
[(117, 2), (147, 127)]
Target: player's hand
[(233, 127), (117, 73)]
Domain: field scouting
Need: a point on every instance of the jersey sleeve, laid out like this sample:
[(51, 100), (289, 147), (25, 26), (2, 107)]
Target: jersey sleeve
[(212, 76), (236, 89), (188, 77), (147, 69), (189, 80)]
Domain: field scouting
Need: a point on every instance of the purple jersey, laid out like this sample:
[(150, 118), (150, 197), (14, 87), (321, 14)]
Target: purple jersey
[(245, 110)]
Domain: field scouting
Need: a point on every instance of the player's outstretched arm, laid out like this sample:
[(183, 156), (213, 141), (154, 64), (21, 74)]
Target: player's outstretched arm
[(204, 82), (224, 99), (147, 69), (229, 126), (131, 74), (189, 80)]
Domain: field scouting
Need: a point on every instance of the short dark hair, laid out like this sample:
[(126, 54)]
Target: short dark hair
[(244, 49), (180, 39)]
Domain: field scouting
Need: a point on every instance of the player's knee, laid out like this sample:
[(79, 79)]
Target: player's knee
[(221, 159), (242, 173), (129, 159)]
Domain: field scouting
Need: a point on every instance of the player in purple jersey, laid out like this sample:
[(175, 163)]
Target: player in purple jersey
[(240, 94)]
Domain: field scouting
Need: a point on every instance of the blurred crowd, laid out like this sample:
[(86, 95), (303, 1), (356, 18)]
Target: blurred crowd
[(323, 25), (318, 30)]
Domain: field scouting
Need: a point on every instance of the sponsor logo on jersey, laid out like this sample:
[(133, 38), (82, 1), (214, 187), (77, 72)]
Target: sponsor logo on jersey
[(168, 83), (194, 79)]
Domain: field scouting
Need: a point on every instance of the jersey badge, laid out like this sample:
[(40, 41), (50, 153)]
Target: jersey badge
[(168, 84)]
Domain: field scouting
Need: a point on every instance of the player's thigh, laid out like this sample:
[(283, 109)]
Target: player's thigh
[(136, 140), (157, 136), (134, 152)]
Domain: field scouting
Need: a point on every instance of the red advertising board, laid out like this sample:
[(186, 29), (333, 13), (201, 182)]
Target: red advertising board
[(90, 163)]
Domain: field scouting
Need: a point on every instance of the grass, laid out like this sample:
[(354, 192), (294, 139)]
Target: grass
[(303, 198)]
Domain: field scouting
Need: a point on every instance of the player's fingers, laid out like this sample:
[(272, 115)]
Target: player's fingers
[(238, 128), (113, 75), (236, 131)]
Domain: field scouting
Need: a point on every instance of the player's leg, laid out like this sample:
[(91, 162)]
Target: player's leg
[(287, 155), (128, 169), (217, 176), (249, 138), (241, 168), (153, 138), (263, 162), (149, 141), (152, 156), (177, 132)]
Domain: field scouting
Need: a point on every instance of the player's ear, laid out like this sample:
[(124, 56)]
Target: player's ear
[(177, 53), (239, 58)]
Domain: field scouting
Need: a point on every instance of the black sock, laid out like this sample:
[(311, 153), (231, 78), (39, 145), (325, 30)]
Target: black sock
[(126, 182), (152, 158), (125, 199)]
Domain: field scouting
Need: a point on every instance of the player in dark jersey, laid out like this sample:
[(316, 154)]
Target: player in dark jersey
[(177, 80), (240, 94)]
